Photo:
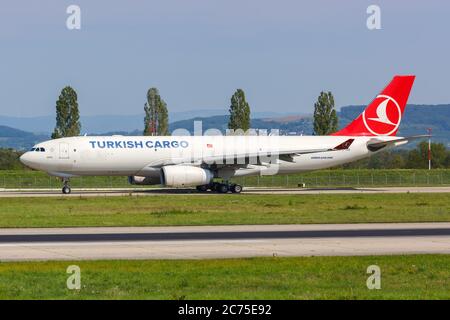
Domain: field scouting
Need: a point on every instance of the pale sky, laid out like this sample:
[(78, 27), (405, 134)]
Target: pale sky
[(197, 52)]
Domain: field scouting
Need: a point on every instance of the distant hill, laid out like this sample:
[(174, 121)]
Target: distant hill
[(18, 139), (300, 125), (8, 132), (107, 123)]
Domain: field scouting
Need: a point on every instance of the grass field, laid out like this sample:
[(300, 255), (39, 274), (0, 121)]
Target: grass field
[(223, 210), (323, 178), (402, 277)]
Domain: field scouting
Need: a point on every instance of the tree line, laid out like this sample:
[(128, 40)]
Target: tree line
[(156, 120)]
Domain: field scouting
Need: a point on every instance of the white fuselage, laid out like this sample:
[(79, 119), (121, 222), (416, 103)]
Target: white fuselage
[(145, 155)]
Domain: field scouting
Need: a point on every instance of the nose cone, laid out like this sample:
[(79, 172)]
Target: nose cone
[(26, 159)]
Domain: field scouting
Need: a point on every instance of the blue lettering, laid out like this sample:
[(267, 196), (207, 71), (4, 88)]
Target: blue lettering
[(184, 144), (149, 144), (101, 144), (138, 143), (158, 144)]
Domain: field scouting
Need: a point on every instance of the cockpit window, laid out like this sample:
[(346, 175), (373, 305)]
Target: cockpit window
[(32, 149), (42, 149)]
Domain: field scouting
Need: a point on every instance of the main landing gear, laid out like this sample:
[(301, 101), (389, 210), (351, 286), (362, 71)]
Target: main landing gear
[(224, 187), (66, 188)]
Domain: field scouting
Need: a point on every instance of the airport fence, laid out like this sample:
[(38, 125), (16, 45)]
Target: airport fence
[(351, 179), (21, 179)]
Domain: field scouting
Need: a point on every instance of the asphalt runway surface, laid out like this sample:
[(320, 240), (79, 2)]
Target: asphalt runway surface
[(110, 192), (229, 235), (223, 241)]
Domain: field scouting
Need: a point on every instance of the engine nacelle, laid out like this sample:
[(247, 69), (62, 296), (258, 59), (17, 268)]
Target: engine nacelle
[(185, 176), (139, 180)]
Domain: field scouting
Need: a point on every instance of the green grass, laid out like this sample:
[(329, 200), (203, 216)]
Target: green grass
[(158, 210), (402, 277), (322, 178)]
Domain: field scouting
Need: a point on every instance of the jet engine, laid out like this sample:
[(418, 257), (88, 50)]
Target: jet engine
[(184, 176), (139, 180)]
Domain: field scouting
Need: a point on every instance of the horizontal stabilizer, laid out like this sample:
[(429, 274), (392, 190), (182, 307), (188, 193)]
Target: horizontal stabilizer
[(375, 145)]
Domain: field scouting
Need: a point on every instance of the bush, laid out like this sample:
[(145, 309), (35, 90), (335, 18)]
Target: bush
[(9, 159)]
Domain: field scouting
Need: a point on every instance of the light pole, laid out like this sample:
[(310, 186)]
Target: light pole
[(429, 149)]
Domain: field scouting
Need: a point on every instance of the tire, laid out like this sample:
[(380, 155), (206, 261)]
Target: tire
[(66, 190), (237, 188), (202, 188), (222, 188)]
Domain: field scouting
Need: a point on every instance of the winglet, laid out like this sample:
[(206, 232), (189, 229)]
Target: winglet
[(344, 145)]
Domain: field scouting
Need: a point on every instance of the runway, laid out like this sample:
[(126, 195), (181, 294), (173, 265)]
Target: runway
[(111, 192), (223, 241)]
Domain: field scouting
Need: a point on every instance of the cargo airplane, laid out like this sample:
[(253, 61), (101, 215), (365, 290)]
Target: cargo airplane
[(200, 161)]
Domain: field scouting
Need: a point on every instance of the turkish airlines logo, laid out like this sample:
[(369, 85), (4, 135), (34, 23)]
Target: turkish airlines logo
[(384, 119)]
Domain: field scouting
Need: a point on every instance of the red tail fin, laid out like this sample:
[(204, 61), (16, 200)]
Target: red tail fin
[(383, 115)]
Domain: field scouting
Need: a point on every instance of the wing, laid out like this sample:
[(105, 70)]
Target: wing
[(257, 158)]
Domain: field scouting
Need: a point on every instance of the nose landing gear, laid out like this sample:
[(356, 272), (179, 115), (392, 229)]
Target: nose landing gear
[(66, 188)]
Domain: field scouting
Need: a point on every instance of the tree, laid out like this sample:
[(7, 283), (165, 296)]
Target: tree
[(325, 116), (156, 120), (418, 158), (239, 112), (67, 114)]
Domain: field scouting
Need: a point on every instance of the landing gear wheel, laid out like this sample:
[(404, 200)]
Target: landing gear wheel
[(66, 190), (236, 188), (222, 188), (202, 188)]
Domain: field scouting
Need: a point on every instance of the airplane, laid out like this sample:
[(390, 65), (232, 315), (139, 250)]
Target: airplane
[(195, 161)]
